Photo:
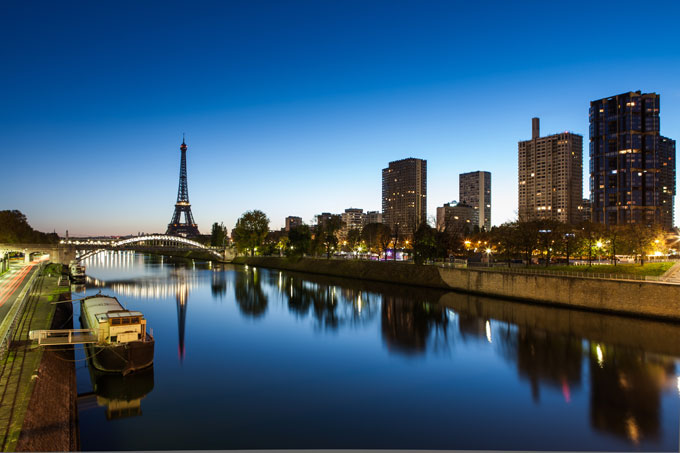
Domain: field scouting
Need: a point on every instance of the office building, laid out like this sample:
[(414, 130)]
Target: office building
[(293, 222), (632, 167), (404, 195), (475, 191), (550, 176), (456, 218)]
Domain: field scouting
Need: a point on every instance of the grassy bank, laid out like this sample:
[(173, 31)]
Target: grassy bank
[(651, 269)]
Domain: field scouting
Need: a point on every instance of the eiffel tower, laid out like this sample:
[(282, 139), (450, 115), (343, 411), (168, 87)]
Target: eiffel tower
[(189, 227)]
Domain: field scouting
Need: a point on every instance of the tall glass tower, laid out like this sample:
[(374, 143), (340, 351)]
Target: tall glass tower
[(632, 167)]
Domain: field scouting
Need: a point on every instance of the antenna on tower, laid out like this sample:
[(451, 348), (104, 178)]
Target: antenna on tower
[(183, 139)]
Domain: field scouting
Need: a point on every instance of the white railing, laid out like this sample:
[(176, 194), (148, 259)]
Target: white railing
[(63, 336), (576, 274)]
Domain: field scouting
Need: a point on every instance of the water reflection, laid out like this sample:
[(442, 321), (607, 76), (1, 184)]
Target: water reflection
[(182, 297), (251, 299), (543, 357), (407, 325), (120, 395), (626, 389), (615, 374)]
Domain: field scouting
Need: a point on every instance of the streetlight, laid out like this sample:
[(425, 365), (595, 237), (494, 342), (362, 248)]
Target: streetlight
[(599, 249)]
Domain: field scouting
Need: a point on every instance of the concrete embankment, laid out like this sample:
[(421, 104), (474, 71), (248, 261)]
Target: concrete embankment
[(635, 298)]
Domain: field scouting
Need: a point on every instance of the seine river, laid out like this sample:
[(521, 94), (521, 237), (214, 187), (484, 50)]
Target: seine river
[(251, 358)]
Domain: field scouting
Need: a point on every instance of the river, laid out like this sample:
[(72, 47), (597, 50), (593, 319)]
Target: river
[(251, 358)]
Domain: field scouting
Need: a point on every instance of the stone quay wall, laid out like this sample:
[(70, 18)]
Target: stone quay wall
[(628, 297)]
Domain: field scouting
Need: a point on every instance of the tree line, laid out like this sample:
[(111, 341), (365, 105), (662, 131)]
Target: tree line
[(545, 241), (14, 229)]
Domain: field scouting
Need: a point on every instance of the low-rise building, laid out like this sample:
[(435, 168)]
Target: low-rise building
[(456, 217)]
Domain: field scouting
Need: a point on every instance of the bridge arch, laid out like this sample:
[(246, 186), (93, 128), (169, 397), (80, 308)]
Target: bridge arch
[(154, 240)]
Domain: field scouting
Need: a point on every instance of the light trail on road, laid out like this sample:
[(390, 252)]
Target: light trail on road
[(9, 288)]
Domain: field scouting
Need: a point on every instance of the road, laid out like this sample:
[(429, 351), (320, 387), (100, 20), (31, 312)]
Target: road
[(13, 282)]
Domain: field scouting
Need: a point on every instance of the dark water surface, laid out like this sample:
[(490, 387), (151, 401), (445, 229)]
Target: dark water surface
[(255, 358)]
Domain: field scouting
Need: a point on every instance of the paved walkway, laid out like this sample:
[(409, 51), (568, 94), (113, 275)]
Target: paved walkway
[(672, 275)]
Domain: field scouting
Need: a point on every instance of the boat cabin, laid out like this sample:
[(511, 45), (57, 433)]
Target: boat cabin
[(121, 326)]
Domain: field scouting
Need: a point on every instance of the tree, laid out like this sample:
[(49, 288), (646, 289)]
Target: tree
[(377, 236), (218, 235), (641, 239), (614, 235), (282, 245), (326, 237), (590, 234), (14, 228), (353, 238), (505, 239), (250, 231), (570, 241), (424, 243), (549, 234), (299, 240), (527, 239)]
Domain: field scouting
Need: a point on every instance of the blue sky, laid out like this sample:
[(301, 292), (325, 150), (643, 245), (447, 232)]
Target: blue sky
[(294, 107)]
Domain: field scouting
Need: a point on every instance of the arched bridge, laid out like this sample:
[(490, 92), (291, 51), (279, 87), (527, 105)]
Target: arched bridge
[(160, 244), (154, 243)]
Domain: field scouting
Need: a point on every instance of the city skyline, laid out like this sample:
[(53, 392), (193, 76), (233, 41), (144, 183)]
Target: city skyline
[(291, 113)]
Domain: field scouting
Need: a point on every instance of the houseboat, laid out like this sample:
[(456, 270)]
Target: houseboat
[(77, 272), (123, 345)]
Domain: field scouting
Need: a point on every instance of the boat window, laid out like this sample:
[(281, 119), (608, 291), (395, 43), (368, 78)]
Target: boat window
[(134, 320), (115, 321), (126, 320)]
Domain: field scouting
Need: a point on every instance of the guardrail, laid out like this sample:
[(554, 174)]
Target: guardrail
[(594, 275), (20, 304)]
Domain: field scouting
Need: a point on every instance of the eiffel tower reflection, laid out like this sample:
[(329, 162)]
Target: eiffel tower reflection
[(182, 296)]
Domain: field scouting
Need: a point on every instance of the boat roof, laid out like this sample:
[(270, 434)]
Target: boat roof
[(104, 307)]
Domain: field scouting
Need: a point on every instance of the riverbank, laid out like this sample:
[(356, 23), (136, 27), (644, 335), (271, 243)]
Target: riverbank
[(633, 298), (39, 389)]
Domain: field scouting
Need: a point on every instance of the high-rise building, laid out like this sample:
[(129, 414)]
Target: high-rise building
[(584, 209), (404, 195), (293, 222), (550, 171), (475, 191), (632, 167), (372, 217), (352, 220), (459, 218)]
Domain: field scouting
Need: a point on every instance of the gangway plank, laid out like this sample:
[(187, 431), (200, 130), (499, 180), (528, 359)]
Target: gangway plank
[(64, 336)]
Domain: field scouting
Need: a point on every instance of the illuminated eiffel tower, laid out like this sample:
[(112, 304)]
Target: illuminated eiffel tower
[(176, 227)]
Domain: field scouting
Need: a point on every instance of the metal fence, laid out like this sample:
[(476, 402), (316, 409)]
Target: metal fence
[(515, 270), (21, 305)]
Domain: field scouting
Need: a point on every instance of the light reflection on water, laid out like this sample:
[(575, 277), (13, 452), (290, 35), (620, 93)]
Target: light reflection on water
[(271, 359)]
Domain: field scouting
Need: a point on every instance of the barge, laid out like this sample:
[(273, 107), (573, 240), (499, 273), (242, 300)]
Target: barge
[(123, 345), (77, 272)]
